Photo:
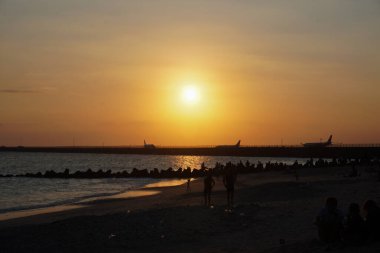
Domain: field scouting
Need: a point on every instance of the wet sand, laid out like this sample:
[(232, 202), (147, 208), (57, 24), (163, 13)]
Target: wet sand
[(269, 208)]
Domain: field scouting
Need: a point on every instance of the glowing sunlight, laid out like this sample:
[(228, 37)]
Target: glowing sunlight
[(190, 95)]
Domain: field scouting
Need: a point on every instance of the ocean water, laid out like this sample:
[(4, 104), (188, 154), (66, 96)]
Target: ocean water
[(30, 193)]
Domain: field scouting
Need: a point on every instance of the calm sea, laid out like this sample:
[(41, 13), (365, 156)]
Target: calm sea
[(30, 193)]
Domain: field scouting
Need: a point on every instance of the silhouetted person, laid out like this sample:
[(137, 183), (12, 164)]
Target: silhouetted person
[(188, 189), (354, 232), (295, 166), (354, 172), (229, 182), (208, 185), (372, 220), (330, 222)]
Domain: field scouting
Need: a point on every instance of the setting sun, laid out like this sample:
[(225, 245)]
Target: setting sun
[(173, 125), (190, 94)]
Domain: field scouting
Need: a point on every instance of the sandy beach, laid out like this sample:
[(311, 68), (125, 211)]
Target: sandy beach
[(273, 213)]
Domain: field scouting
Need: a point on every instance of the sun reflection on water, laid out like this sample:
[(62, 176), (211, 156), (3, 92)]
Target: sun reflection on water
[(194, 162)]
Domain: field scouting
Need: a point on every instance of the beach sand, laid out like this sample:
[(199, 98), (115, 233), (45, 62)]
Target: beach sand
[(270, 208)]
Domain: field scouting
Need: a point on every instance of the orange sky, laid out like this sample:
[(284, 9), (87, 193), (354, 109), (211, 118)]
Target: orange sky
[(112, 72)]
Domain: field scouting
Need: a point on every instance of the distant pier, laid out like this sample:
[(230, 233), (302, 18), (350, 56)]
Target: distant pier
[(344, 151)]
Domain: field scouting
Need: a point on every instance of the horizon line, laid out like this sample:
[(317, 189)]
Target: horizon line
[(185, 146)]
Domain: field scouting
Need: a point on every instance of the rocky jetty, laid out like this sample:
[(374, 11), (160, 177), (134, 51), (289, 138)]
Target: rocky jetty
[(240, 168)]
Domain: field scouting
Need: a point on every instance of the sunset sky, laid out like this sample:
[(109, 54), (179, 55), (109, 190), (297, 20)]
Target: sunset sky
[(114, 72)]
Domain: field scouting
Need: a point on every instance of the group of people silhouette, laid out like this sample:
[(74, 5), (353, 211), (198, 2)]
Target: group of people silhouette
[(335, 228), (229, 179)]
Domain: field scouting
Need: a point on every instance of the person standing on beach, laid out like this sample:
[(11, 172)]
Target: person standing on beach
[(229, 182), (188, 188), (208, 185), (295, 166)]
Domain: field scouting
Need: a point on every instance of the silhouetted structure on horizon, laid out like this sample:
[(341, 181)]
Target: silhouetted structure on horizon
[(345, 151), (318, 144)]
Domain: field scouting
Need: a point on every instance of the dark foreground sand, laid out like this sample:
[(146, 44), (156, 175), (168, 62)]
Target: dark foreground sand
[(269, 207)]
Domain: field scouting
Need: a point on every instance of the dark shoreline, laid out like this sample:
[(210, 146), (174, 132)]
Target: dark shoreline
[(368, 151)]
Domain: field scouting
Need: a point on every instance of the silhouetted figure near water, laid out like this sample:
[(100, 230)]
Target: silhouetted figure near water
[(188, 188), (330, 222), (354, 172), (208, 185), (372, 220), (295, 166), (354, 232), (229, 182)]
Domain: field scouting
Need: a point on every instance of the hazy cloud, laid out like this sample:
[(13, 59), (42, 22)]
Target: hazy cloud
[(28, 90), (14, 91)]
